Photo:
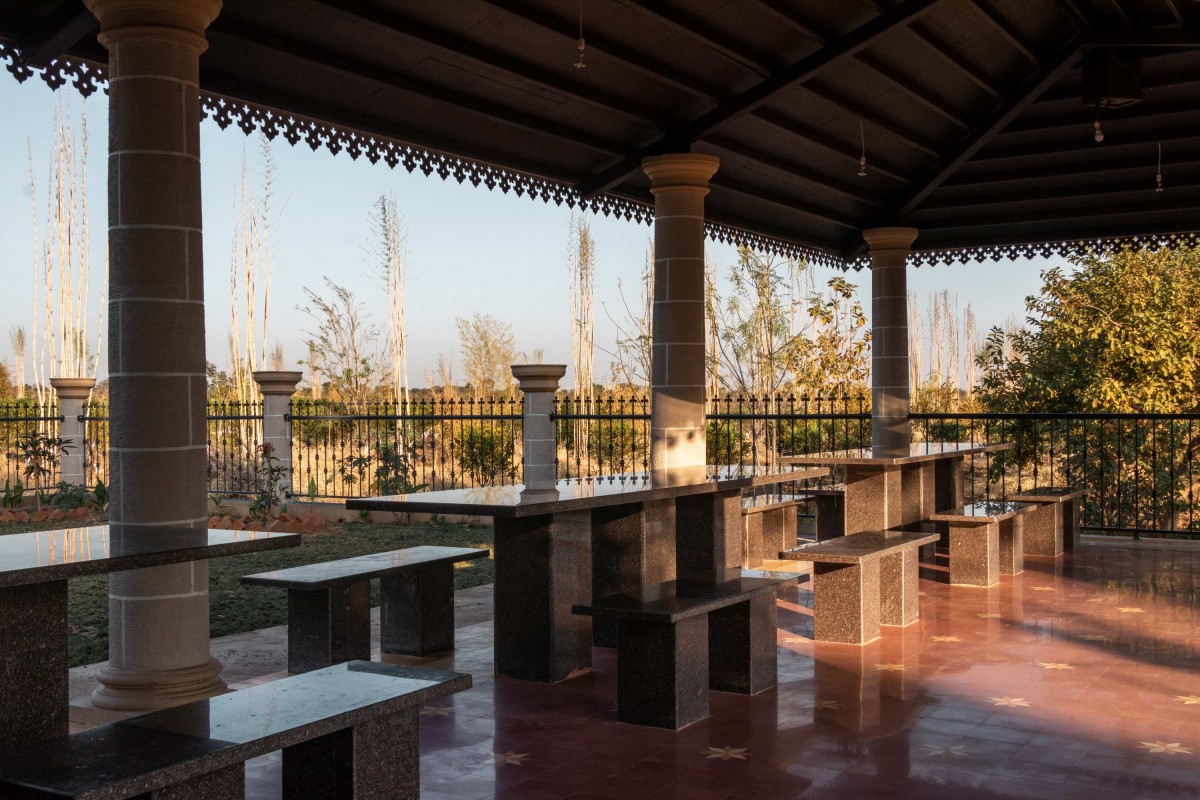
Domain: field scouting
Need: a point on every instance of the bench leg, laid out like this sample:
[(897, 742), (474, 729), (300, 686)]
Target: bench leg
[(328, 626), (846, 602), (1012, 550), (755, 543), (416, 614), (708, 532), (975, 554), (742, 655), (375, 760), (1072, 511), (898, 577), (33, 662), (1044, 530), (633, 546), (662, 672), (831, 516), (778, 531), (223, 784)]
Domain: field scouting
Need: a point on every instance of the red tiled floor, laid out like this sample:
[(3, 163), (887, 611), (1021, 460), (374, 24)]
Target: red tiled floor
[(1026, 693)]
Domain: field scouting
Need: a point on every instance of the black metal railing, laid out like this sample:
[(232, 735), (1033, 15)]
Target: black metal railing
[(602, 435), (19, 419), (234, 439), (95, 443)]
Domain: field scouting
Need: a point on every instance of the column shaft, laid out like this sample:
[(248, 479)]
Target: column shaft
[(889, 249)]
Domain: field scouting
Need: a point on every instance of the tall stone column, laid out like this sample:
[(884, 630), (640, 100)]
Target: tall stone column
[(158, 618), (538, 382), (889, 249), (679, 182), (277, 389), (72, 397)]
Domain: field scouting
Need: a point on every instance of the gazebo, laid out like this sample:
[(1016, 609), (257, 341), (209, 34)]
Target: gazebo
[(852, 134)]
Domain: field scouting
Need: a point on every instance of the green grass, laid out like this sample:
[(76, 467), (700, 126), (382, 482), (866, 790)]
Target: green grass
[(236, 608)]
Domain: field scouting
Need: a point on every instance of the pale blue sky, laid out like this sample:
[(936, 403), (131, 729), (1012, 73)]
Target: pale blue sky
[(469, 249)]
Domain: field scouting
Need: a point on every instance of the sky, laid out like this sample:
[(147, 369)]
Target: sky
[(470, 250)]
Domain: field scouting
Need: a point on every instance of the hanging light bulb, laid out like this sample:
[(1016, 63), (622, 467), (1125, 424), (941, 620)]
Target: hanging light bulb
[(862, 160), (1158, 187), (1099, 133), (580, 63)]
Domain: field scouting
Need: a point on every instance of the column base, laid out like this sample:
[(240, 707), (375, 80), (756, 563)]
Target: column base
[(152, 689)]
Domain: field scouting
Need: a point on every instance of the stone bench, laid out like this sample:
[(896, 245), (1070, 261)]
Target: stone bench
[(768, 525), (985, 541), (829, 503), (329, 604), (347, 731), (684, 637), (863, 581), (1054, 524)]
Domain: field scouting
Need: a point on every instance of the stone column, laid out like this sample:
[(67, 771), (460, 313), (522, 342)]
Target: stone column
[(889, 249), (277, 389), (72, 400), (679, 182), (158, 618), (538, 382)]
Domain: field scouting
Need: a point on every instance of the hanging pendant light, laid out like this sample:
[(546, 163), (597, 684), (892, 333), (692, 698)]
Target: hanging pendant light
[(862, 159), (1158, 187), (579, 64), (1099, 133)]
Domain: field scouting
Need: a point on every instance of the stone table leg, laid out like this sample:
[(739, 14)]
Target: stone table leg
[(975, 554), (222, 784), (633, 546), (33, 662), (1044, 530), (543, 567), (1072, 519), (948, 479), (873, 499), (708, 532), (831, 516), (1012, 551), (778, 532), (416, 614), (662, 672), (753, 543), (742, 655), (328, 626), (846, 602), (918, 493), (898, 578), (375, 760)]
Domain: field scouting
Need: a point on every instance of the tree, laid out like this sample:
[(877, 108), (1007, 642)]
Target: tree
[(581, 257), (6, 387), (344, 340), (16, 337), (631, 360), (487, 354), (390, 254)]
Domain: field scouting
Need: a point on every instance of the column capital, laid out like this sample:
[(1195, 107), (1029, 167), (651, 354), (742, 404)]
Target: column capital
[(538, 377), (892, 241), (72, 388), (182, 20), (680, 171), (271, 382)]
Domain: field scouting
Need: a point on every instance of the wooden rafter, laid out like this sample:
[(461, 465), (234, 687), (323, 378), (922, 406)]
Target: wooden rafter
[(1005, 29), (66, 26)]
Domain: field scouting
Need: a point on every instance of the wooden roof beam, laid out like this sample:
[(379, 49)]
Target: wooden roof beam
[(1005, 29), (1185, 38), (1042, 79), (67, 25), (684, 135)]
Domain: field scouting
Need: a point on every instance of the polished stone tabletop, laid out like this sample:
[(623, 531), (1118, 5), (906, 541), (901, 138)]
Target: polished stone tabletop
[(578, 494), (144, 753), (364, 568), (42, 556), (983, 511), (918, 451), (688, 596), (859, 546), (1048, 494)]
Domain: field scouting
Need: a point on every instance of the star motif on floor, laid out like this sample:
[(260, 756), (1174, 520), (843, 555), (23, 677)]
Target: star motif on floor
[(1043, 588), (1094, 637), (515, 759), (1011, 702), (890, 667), (952, 751), (1188, 699), (988, 616), (435, 711), (1054, 665), (726, 753), (945, 638), (814, 705), (921, 594), (1098, 600), (1130, 610), (1170, 748)]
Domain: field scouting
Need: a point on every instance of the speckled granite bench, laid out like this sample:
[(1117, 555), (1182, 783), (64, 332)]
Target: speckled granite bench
[(769, 525), (329, 604), (863, 581), (1054, 524), (347, 731), (985, 541), (829, 504), (713, 630)]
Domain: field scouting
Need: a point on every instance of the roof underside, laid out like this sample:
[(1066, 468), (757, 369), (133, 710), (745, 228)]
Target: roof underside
[(970, 110)]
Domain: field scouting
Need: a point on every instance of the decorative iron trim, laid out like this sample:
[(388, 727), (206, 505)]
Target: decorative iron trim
[(1079, 247)]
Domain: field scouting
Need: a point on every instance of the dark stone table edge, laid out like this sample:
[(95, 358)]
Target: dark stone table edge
[(839, 558), (832, 460), (260, 579), (981, 519), (1047, 497)]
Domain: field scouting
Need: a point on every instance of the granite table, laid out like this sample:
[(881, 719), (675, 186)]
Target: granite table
[(679, 639), (985, 541), (34, 570), (562, 545), (899, 491), (863, 581), (1054, 524)]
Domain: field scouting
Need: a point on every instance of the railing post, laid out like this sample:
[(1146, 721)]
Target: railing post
[(72, 397), (539, 382), (277, 389)]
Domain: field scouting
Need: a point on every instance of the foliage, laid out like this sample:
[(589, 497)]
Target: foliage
[(70, 495), (344, 341), (11, 496), (485, 453), (488, 353), (100, 495), (726, 443), (631, 360), (271, 492), (619, 443), (394, 472), (41, 453)]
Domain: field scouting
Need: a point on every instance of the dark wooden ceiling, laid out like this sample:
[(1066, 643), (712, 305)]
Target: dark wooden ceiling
[(971, 110)]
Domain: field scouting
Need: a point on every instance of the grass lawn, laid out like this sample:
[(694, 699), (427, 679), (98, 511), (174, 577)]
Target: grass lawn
[(236, 608)]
